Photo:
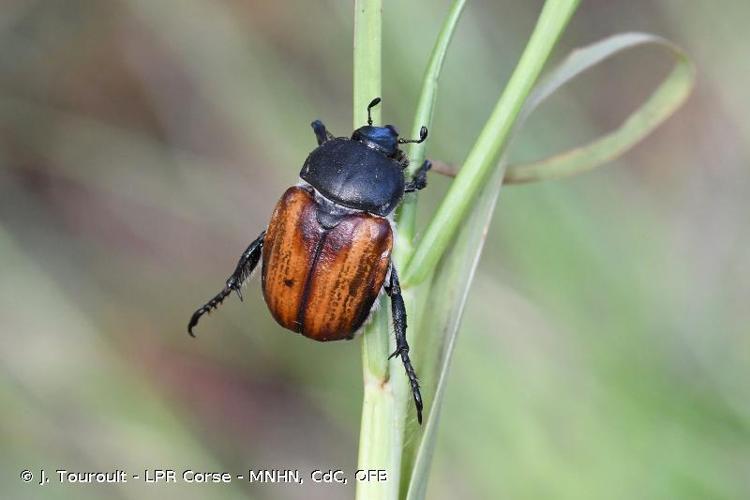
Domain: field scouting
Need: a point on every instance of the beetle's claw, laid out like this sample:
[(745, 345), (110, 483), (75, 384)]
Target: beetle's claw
[(194, 321), (239, 294)]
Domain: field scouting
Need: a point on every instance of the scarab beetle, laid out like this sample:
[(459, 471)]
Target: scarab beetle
[(327, 249)]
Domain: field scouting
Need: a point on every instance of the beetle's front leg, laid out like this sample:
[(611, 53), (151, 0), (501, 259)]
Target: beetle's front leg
[(321, 133), (245, 266), (419, 181), (402, 347)]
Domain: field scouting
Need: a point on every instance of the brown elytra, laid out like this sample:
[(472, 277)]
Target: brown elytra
[(323, 282)]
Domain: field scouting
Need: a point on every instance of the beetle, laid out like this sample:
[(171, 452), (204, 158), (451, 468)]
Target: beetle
[(327, 248)]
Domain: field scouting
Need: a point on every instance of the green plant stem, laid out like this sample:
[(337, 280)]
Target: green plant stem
[(368, 27), (486, 151), (381, 431), (367, 86)]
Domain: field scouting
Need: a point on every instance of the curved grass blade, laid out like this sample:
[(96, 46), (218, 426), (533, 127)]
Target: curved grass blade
[(455, 270), (407, 214), (660, 105)]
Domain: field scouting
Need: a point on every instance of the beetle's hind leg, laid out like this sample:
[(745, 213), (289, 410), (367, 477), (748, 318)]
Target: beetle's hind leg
[(245, 267), (419, 181), (402, 347), (321, 133)]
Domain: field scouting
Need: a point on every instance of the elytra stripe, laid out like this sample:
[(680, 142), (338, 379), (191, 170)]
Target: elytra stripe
[(308, 282)]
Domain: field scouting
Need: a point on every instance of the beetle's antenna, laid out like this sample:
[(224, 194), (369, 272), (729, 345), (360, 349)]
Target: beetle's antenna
[(372, 104), (422, 137)]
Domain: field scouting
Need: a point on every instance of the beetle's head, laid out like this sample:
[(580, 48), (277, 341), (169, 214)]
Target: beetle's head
[(383, 139)]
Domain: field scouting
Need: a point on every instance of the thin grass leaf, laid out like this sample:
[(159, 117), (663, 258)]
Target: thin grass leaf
[(455, 270), (664, 101), (450, 288), (406, 222), (406, 217)]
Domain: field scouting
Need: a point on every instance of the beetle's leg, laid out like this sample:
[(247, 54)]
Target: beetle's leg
[(321, 133), (419, 181), (244, 268), (402, 347)]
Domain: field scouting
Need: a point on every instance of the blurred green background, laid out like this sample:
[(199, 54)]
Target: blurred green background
[(143, 143)]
